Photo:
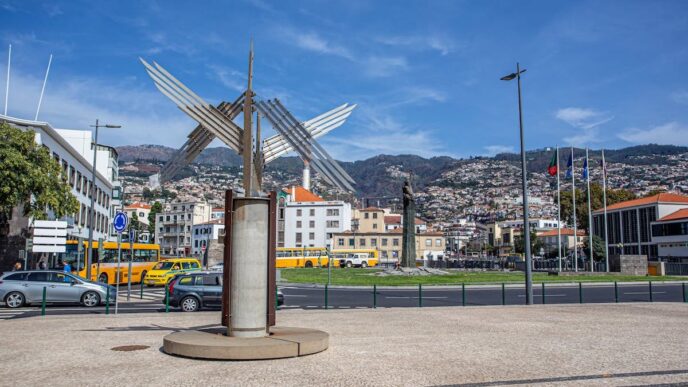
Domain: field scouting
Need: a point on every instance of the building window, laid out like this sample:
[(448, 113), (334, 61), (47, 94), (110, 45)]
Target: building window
[(384, 241), (72, 176), (333, 212), (332, 223), (351, 242), (311, 224), (395, 242), (141, 215), (311, 235), (298, 238), (374, 215), (362, 242), (340, 242), (78, 182), (373, 242), (374, 224), (298, 224), (196, 232), (438, 242), (366, 215), (428, 242), (298, 212), (281, 214), (311, 212)]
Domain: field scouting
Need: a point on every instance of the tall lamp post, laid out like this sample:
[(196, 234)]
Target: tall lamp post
[(92, 212), (524, 183)]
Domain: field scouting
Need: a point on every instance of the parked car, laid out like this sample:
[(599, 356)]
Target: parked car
[(20, 288), (165, 270), (193, 291), (356, 260)]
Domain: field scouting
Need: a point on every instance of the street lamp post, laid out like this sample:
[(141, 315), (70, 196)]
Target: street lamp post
[(92, 212), (524, 183)]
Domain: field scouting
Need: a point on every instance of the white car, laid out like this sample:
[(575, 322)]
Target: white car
[(218, 267), (355, 260)]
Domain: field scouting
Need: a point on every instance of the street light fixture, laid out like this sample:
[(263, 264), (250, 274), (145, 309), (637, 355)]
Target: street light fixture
[(92, 212), (524, 183)]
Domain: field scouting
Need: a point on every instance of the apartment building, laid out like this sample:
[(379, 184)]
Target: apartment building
[(141, 210), (304, 219), (205, 234), (670, 234), (429, 245), (175, 225), (629, 223), (550, 239)]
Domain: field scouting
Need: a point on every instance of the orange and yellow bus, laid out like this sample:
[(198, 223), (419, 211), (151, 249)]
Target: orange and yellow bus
[(104, 269), (301, 257)]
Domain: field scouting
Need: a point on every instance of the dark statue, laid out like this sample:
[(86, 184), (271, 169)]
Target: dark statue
[(408, 244)]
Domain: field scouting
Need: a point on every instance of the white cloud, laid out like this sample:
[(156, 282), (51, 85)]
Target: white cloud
[(234, 80), (680, 97), (492, 150), (442, 45), (314, 42), (671, 133), (381, 66), (146, 116), (586, 121)]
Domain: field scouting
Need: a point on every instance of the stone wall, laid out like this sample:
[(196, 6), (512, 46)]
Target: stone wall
[(628, 264)]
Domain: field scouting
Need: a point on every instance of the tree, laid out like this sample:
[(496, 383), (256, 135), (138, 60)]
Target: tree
[(596, 202), (31, 178), (597, 247), (535, 244), (156, 208), (135, 224)]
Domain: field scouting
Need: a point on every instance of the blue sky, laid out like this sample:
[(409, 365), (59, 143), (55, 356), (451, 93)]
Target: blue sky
[(425, 74)]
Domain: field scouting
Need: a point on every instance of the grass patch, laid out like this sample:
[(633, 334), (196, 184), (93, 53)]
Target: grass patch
[(365, 277)]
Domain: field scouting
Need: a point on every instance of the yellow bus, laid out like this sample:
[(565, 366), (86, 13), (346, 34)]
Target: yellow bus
[(104, 269), (301, 257), (355, 257)]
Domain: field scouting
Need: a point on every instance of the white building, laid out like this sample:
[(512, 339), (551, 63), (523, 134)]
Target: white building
[(141, 210), (537, 224), (307, 220), (73, 150), (670, 234), (175, 223), (205, 233)]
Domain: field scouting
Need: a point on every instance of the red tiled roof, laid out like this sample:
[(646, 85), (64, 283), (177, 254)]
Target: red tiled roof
[(564, 231), (389, 219), (303, 195), (680, 214), (138, 205), (659, 198)]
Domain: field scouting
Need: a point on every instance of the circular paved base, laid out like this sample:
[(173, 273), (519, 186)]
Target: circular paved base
[(213, 344)]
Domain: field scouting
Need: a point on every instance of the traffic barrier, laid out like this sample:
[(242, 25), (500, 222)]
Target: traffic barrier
[(649, 283), (543, 293), (43, 301), (420, 295), (685, 297), (463, 294), (326, 300), (503, 294), (107, 299), (374, 296), (142, 289), (616, 292), (580, 292)]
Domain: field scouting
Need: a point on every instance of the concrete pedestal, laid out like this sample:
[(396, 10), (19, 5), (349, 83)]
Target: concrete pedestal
[(212, 344)]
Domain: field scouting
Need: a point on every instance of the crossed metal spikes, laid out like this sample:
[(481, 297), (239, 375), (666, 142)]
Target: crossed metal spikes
[(217, 122)]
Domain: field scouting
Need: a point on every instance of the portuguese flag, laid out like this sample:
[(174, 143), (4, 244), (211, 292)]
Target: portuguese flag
[(552, 169)]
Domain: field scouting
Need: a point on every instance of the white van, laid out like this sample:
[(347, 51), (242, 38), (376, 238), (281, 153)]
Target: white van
[(355, 259)]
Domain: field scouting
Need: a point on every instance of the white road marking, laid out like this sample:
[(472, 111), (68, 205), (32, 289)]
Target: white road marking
[(424, 297), (645, 292), (295, 295), (546, 295)]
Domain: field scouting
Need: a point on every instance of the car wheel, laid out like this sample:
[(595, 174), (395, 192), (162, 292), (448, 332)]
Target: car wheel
[(308, 264), (364, 264), (143, 275), (90, 299), (14, 300), (189, 304), (103, 278), (348, 264)]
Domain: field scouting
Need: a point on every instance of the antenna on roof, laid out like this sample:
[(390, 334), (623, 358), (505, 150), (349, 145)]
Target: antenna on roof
[(7, 88), (40, 99)]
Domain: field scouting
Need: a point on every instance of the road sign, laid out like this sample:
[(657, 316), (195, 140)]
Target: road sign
[(120, 222), (49, 236), (29, 244)]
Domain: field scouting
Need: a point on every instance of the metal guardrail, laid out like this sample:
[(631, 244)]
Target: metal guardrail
[(671, 268)]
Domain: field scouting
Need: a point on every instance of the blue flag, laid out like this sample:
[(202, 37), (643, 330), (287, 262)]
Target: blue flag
[(569, 166), (585, 168)]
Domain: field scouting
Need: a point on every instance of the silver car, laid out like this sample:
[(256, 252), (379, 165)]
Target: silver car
[(19, 288)]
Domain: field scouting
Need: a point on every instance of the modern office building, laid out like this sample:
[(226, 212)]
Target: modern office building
[(670, 234), (174, 227), (73, 150), (629, 223)]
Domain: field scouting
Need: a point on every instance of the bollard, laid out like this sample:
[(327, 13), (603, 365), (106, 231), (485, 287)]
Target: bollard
[(142, 289), (650, 286), (420, 295), (616, 292), (685, 298), (374, 296), (326, 301), (503, 294), (580, 292), (107, 300), (167, 297), (43, 302), (463, 294), (543, 293), (276, 299)]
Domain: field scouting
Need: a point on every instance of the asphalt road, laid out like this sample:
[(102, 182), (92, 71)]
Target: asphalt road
[(313, 297)]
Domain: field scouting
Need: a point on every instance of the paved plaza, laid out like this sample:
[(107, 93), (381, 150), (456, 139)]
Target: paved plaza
[(602, 344)]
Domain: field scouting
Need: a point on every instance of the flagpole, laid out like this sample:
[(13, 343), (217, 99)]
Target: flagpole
[(575, 227), (604, 199), (558, 212), (590, 236), (7, 87)]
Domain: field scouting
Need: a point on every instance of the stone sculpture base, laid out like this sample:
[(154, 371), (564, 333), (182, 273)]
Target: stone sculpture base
[(212, 344), (411, 271)]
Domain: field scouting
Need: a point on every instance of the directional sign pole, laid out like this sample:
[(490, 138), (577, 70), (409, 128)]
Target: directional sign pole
[(119, 257)]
